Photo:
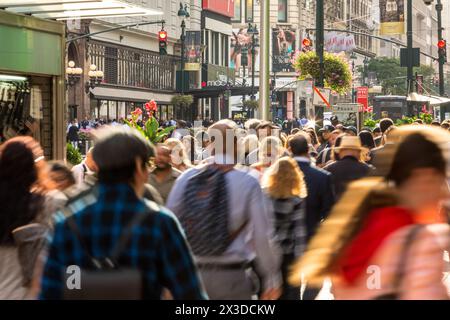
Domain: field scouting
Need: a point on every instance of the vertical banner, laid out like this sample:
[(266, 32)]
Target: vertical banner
[(392, 17), (241, 41), (283, 49), (193, 53), (362, 97), (290, 105), (419, 84)]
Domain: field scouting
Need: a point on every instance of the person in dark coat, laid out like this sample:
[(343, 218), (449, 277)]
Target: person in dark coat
[(320, 198), (350, 166), (72, 134)]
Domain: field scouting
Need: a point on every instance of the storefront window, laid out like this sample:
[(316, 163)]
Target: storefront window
[(237, 10), (282, 10), (249, 10)]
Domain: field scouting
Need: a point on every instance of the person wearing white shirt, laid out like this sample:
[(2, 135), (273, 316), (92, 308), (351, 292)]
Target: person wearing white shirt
[(253, 245), (86, 168)]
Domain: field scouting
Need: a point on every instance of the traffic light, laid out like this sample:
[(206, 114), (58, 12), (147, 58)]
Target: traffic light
[(163, 43), (442, 50), (306, 45)]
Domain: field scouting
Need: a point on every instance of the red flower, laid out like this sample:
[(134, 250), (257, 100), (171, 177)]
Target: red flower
[(153, 106), (137, 112)]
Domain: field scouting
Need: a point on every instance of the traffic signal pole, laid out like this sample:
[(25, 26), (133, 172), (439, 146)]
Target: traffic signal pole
[(320, 41), (439, 8), (264, 65), (127, 26), (409, 44)]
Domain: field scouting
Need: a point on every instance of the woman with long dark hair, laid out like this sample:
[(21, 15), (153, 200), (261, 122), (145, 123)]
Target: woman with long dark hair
[(386, 237), (21, 211)]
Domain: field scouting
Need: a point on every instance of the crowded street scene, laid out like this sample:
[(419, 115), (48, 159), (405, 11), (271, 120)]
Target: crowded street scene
[(224, 150)]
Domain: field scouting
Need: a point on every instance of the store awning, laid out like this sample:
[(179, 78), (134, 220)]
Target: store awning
[(116, 94), (76, 9), (214, 92), (432, 100)]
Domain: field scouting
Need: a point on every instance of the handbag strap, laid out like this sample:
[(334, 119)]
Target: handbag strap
[(400, 270)]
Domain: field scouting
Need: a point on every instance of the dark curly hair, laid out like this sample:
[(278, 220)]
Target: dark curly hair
[(18, 174)]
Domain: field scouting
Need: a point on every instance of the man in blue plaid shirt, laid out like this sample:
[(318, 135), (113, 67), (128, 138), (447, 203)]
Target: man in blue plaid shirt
[(157, 246)]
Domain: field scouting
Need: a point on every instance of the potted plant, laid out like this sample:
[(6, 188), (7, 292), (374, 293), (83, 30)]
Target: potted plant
[(150, 130), (250, 104), (182, 100), (73, 155)]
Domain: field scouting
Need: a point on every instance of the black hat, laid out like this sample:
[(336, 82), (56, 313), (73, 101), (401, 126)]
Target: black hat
[(351, 128), (329, 128)]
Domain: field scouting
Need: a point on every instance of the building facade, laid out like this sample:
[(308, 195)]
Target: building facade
[(134, 71), (284, 40)]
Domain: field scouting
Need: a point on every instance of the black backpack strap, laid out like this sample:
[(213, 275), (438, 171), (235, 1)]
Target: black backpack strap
[(72, 224), (127, 233)]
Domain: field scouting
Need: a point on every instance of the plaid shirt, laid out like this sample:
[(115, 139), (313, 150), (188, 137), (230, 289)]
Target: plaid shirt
[(290, 225), (157, 246)]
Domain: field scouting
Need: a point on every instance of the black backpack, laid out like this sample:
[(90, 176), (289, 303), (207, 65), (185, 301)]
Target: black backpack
[(206, 212)]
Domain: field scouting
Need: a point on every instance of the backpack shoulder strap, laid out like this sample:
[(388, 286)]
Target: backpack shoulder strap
[(72, 224)]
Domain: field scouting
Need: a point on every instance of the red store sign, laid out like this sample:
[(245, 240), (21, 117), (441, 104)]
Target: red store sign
[(362, 96), (222, 7)]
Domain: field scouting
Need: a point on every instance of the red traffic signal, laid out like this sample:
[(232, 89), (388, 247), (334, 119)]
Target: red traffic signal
[(204, 84), (163, 35), (442, 44), (162, 42), (306, 42)]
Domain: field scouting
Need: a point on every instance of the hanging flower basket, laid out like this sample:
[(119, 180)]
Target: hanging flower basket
[(183, 101), (337, 73)]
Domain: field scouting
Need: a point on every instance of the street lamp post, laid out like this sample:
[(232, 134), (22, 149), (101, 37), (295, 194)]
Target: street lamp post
[(95, 78), (183, 13), (353, 58), (439, 8), (253, 30), (73, 74)]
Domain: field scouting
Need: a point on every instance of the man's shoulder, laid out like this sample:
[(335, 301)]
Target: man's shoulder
[(308, 169), (79, 198), (158, 212), (176, 173)]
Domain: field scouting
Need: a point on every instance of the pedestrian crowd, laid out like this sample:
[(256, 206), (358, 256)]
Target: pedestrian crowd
[(253, 210)]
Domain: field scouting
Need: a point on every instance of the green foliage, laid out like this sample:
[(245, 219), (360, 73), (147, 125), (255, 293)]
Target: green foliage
[(392, 77), (426, 118), (182, 100), (405, 120), (251, 104), (151, 130), (73, 155), (371, 123), (337, 74)]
